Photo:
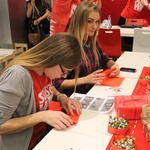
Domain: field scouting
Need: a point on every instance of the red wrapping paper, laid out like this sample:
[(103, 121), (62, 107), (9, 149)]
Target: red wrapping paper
[(56, 107), (130, 106)]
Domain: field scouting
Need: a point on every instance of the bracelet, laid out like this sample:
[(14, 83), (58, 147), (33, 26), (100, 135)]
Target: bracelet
[(60, 95)]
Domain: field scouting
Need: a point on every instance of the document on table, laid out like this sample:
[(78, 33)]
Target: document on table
[(91, 103), (100, 104)]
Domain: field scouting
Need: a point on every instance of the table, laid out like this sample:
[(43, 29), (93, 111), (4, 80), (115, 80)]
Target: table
[(91, 131), (5, 52), (133, 60), (128, 32)]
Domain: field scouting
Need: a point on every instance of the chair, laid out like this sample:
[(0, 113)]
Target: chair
[(19, 45), (141, 41), (18, 51), (110, 41), (138, 22), (5, 60)]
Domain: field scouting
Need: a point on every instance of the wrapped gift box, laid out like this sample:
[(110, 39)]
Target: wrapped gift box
[(146, 121), (130, 106)]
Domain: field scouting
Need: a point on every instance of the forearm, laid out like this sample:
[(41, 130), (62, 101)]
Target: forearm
[(44, 16), (110, 63), (148, 6), (99, 4), (146, 3), (18, 124), (29, 10), (70, 83)]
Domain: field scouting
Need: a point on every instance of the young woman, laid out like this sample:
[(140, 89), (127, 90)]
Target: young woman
[(26, 92), (85, 25)]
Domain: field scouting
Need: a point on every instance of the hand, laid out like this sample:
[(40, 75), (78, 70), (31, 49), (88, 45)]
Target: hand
[(32, 2), (57, 119), (69, 104), (95, 77), (116, 71), (145, 2), (36, 22)]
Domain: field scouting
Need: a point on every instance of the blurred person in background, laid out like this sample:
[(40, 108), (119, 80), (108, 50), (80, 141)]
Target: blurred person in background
[(62, 12), (38, 12), (132, 10)]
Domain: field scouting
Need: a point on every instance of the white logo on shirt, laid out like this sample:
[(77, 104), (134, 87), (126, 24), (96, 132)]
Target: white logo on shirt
[(45, 97), (138, 5)]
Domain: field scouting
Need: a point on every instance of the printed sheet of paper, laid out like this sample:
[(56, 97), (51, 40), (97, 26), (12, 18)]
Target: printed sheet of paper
[(100, 104)]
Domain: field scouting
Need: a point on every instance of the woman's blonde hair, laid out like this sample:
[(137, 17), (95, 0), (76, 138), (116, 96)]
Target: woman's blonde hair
[(78, 27), (61, 48)]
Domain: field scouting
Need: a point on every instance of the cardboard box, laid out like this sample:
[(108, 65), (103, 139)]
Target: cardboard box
[(130, 106)]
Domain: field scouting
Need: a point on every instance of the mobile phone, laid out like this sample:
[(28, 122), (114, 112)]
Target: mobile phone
[(128, 69)]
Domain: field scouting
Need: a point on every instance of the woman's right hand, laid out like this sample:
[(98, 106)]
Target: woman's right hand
[(57, 119), (33, 2), (95, 77)]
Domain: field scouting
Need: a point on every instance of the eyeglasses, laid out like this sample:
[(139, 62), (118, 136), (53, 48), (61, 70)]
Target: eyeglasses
[(63, 71)]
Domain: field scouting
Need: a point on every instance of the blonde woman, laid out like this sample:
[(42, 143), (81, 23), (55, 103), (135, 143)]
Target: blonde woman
[(26, 92), (85, 25)]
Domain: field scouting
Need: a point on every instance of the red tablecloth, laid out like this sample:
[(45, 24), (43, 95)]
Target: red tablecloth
[(141, 86)]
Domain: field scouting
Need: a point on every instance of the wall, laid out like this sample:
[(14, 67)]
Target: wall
[(113, 8), (17, 16), (12, 24), (5, 33)]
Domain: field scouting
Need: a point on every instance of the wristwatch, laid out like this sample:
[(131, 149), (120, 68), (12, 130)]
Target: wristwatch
[(60, 95)]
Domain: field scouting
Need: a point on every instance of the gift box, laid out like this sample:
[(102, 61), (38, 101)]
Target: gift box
[(130, 106), (145, 119)]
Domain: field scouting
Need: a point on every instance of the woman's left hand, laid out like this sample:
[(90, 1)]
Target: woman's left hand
[(69, 104), (36, 22), (116, 71)]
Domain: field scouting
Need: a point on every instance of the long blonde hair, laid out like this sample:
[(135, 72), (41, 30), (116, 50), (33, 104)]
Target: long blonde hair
[(78, 26), (61, 48)]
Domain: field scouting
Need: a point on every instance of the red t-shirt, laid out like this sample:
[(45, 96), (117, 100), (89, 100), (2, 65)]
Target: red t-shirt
[(43, 95), (61, 13), (132, 9)]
